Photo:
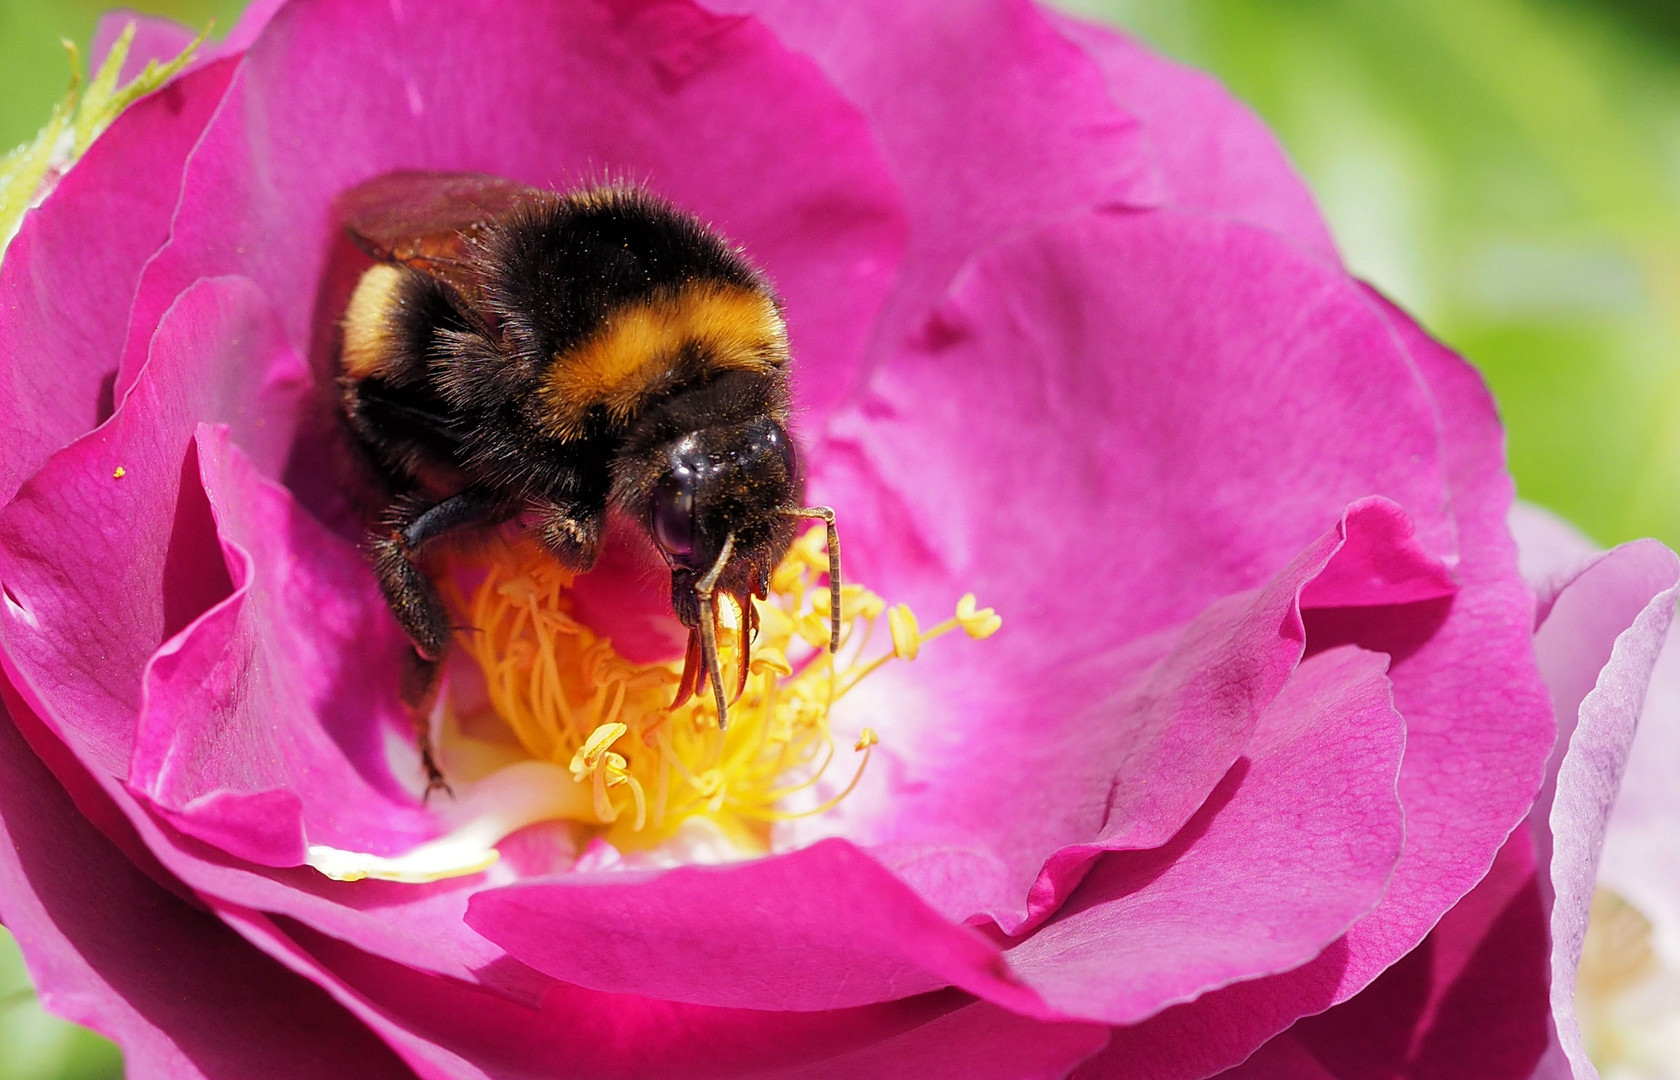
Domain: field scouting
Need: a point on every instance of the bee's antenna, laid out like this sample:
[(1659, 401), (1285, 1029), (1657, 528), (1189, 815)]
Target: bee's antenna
[(827, 515), (708, 628)]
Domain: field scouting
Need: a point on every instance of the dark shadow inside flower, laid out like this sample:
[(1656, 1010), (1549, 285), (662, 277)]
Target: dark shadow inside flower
[(1385, 1016), (1396, 629), (1470, 1001), (106, 402), (1476, 1031), (195, 573)]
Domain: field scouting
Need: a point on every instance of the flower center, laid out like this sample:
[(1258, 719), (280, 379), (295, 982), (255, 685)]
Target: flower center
[(648, 768)]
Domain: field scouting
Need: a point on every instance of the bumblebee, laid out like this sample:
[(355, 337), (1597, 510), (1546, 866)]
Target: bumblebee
[(523, 357)]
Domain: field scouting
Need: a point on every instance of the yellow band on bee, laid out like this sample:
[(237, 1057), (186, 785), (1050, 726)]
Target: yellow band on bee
[(368, 341), (637, 353)]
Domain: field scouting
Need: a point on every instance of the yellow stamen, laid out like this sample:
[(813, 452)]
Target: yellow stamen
[(906, 635), (594, 748), (980, 623), (642, 768)]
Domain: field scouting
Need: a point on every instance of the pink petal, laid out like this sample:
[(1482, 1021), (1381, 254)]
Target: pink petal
[(261, 725), (111, 948), (1189, 424), (1214, 155), (417, 925), (218, 356), (1059, 423), (710, 112), (1312, 800), (447, 1029), (1550, 553), (1475, 752), (1193, 713), (824, 927), (70, 273), (990, 120)]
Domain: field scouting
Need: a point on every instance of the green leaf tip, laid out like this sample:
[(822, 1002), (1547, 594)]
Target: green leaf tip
[(76, 121)]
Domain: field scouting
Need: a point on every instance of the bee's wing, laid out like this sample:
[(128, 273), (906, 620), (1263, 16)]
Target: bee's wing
[(430, 221)]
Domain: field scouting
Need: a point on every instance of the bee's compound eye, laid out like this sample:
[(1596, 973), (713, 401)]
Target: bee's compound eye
[(673, 514), (766, 441), (784, 447)]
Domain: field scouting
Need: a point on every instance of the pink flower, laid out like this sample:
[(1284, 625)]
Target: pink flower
[(1239, 776)]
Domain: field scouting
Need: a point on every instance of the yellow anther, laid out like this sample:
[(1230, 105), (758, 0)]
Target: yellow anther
[(856, 602), (770, 660), (813, 629), (118, 473), (602, 737), (906, 635), (589, 754), (980, 623), (866, 739)]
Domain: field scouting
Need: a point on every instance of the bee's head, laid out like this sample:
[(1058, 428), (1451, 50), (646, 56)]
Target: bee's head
[(728, 484), (724, 512), (714, 477)]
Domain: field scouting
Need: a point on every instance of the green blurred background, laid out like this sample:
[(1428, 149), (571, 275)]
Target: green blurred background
[(1507, 169)]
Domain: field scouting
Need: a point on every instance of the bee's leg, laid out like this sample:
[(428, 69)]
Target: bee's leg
[(415, 602), (420, 681), (396, 560), (571, 531)]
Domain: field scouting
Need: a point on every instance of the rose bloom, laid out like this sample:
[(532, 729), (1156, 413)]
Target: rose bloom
[(1276, 767)]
